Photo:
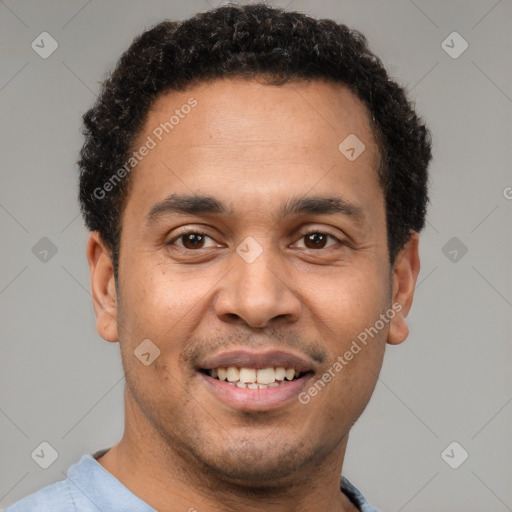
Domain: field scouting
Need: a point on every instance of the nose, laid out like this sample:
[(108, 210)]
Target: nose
[(258, 294)]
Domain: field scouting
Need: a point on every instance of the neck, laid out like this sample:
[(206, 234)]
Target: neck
[(168, 480)]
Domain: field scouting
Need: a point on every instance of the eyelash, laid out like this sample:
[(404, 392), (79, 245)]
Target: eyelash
[(303, 235)]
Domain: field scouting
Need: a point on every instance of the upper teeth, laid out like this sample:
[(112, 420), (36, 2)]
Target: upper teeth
[(253, 375)]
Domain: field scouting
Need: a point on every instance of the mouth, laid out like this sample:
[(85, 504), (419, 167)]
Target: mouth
[(257, 381), (254, 378)]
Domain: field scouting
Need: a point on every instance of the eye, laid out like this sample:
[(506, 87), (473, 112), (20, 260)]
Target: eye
[(317, 240), (192, 240)]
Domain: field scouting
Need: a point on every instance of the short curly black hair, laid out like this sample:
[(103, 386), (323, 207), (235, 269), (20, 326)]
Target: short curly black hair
[(250, 41)]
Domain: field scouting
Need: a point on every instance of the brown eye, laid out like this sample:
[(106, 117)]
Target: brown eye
[(315, 240), (318, 240), (192, 240)]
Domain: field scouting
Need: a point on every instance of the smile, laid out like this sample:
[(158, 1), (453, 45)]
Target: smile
[(254, 378)]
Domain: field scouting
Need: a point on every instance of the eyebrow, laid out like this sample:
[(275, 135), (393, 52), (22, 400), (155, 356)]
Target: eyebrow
[(319, 205), (197, 204)]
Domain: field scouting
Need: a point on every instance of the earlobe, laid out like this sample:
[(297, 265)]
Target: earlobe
[(405, 274), (103, 287)]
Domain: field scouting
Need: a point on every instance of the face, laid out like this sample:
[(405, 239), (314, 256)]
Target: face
[(253, 249)]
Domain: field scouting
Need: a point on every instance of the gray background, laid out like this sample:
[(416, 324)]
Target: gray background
[(450, 381)]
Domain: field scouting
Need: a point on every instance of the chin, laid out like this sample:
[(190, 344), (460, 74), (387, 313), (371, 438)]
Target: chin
[(255, 464)]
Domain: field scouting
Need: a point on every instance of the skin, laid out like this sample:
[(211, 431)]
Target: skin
[(253, 147)]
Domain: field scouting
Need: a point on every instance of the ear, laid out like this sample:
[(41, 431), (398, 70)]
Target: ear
[(405, 273), (103, 287)]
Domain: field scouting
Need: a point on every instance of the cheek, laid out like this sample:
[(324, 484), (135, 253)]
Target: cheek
[(346, 301), (154, 306), (345, 311), (164, 306), (158, 300)]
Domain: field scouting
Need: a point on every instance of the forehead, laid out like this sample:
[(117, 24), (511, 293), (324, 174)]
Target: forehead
[(248, 141), (247, 111)]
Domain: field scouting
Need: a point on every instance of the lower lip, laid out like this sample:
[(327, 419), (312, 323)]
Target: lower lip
[(256, 399)]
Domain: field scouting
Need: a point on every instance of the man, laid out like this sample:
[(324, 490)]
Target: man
[(255, 186)]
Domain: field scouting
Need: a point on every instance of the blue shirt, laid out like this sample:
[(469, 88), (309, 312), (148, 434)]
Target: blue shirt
[(89, 487)]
